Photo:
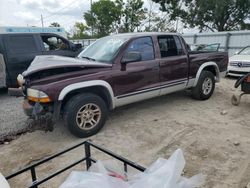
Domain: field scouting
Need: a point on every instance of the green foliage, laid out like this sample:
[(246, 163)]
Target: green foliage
[(156, 21), (103, 17), (220, 15), (108, 16), (133, 15), (80, 31), (55, 24)]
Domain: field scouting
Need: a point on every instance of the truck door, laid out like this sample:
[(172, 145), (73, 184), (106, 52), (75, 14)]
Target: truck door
[(138, 80), (21, 49), (56, 45), (173, 64)]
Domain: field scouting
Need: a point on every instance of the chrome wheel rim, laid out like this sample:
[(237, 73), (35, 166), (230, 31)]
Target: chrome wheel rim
[(88, 116), (207, 86)]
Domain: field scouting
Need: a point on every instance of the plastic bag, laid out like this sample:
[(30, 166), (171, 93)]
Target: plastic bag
[(167, 174), (161, 174), (3, 182), (92, 180)]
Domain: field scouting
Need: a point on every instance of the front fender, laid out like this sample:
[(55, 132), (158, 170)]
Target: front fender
[(86, 84)]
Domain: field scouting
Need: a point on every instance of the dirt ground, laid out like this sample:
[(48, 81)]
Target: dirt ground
[(213, 134)]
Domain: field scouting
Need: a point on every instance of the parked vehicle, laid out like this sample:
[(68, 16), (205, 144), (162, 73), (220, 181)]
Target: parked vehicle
[(115, 71), (17, 51), (239, 64)]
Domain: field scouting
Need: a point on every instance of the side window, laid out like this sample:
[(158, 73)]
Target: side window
[(22, 44), (54, 43), (170, 46), (178, 45), (144, 46)]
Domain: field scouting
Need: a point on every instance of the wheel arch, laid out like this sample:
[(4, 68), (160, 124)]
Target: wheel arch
[(98, 87), (208, 66)]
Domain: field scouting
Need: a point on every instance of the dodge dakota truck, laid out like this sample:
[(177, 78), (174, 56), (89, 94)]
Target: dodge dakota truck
[(114, 71)]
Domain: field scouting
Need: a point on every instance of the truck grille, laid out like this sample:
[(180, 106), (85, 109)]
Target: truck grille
[(240, 64)]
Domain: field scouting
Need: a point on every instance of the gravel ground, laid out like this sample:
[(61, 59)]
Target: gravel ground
[(213, 134), (12, 118)]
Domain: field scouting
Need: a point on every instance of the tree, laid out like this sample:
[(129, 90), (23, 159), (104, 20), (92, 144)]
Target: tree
[(80, 31), (156, 21), (133, 15), (103, 17), (220, 15), (55, 24)]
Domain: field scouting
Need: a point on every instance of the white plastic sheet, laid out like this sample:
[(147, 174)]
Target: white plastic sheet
[(3, 182), (161, 174)]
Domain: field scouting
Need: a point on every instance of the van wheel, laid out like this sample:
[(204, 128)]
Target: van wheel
[(85, 114), (205, 86)]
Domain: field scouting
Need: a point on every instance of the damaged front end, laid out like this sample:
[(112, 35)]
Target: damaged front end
[(36, 105), (39, 107)]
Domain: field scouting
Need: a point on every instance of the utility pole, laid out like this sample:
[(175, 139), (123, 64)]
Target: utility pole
[(42, 19), (92, 26)]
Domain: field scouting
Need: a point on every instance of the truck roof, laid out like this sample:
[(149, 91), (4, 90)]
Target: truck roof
[(136, 34), (32, 30)]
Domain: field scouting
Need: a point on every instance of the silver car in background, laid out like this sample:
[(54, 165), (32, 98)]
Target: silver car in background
[(239, 64)]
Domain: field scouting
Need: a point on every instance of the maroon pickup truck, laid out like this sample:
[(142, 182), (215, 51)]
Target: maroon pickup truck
[(115, 71)]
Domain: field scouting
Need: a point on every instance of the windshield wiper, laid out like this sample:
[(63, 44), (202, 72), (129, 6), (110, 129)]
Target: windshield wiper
[(88, 58)]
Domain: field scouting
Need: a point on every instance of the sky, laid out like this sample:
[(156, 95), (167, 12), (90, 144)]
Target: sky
[(28, 12)]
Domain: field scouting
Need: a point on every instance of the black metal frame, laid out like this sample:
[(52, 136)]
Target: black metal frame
[(88, 158)]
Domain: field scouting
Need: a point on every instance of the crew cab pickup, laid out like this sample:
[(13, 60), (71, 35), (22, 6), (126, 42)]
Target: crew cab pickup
[(115, 71)]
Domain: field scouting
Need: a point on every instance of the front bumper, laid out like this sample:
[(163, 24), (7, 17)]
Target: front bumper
[(27, 108), (36, 110), (236, 71)]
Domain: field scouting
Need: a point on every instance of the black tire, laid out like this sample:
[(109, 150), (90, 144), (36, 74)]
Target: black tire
[(198, 92), (78, 102)]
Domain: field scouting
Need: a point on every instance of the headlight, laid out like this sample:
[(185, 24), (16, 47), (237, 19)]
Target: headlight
[(20, 80), (37, 96)]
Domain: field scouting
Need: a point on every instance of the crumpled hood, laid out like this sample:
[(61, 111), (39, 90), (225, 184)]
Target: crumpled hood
[(51, 62), (239, 57)]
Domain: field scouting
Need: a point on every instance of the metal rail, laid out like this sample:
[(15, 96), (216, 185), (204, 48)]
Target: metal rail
[(88, 158)]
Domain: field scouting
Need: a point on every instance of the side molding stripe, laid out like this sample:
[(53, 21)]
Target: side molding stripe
[(150, 89)]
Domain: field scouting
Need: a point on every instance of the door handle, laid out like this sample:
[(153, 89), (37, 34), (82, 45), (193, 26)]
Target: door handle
[(155, 68)]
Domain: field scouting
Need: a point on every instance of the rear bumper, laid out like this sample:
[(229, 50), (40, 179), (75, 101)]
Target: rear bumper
[(17, 92)]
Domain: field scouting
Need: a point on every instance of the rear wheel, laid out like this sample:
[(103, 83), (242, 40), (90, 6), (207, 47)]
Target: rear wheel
[(85, 114), (205, 86)]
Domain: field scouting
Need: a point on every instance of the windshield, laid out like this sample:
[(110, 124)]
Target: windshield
[(103, 50), (245, 51)]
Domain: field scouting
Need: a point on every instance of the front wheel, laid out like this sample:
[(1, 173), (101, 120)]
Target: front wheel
[(205, 86), (85, 114)]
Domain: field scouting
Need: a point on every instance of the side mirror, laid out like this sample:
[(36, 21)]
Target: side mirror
[(78, 46), (131, 57)]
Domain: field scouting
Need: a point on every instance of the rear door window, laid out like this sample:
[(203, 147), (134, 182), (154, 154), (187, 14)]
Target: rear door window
[(22, 44), (143, 45), (170, 46)]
